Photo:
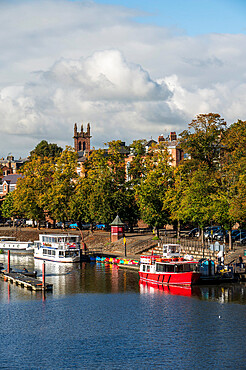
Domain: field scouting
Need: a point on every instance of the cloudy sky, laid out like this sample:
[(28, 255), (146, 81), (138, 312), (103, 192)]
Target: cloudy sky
[(134, 69)]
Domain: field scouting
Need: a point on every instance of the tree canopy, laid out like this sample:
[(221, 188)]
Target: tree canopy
[(44, 149)]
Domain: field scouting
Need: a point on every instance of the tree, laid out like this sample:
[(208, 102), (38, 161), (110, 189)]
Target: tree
[(44, 149), (136, 168), (151, 192), (30, 195), (7, 208), (175, 194), (196, 202), (205, 143), (61, 190), (103, 194)]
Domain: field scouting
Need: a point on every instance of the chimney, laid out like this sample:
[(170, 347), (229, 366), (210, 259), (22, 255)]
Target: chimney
[(173, 136), (160, 139)]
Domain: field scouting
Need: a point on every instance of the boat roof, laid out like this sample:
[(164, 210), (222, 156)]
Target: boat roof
[(171, 245), (176, 262), (7, 238), (59, 235)]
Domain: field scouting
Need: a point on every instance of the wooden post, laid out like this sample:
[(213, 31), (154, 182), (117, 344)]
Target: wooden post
[(8, 269), (43, 276)]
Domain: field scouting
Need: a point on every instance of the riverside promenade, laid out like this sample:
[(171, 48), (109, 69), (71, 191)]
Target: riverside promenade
[(98, 242)]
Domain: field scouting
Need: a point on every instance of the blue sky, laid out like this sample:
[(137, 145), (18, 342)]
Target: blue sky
[(133, 69), (191, 16)]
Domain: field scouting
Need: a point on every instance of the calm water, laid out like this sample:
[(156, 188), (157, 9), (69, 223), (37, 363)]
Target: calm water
[(99, 317)]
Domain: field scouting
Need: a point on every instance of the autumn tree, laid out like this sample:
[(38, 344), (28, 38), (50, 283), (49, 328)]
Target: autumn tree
[(175, 194), (103, 193), (151, 192), (29, 198), (203, 139), (135, 167), (61, 190), (229, 200)]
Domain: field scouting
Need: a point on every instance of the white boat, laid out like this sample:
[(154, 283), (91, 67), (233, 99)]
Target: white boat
[(9, 243), (57, 248)]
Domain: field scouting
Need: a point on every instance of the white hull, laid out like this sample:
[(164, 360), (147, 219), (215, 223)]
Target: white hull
[(17, 247), (62, 248), (60, 260)]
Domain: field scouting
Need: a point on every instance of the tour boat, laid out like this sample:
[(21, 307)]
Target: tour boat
[(57, 248), (9, 243), (169, 268)]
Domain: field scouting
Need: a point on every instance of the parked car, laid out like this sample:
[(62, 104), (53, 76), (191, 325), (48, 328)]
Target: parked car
[(101, 226), (73, 225), (8, 223), (193, 232), (220, 235), (209, 231), (241, 235), (79, 225), (242, 241)]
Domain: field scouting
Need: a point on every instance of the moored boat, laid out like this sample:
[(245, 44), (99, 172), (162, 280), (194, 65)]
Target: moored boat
[(158, 270), (58, 248), (9, 243), (169, 268)]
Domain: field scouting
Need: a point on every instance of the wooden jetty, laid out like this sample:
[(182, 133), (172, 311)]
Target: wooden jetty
[(25, 281)]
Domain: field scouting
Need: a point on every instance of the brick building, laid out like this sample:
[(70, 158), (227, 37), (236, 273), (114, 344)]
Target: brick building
[(10, 165), (8, 185), (172, 145)]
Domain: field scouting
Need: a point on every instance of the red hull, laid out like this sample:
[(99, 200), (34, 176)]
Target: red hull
[(183, 290), (184, 278)]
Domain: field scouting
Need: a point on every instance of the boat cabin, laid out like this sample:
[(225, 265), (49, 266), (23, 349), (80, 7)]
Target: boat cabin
[(175, 267), (58, 241), (171, 250)]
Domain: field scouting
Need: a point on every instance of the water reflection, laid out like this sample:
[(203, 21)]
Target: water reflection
[(102, 278), (223, 293), (186, 291)]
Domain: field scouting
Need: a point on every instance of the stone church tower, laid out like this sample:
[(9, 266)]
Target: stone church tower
[(82, 139)]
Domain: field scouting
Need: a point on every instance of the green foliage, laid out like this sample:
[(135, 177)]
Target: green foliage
[(7, 208), (208, 187), (151, 192), (44, 149), (103, 194), (60, 193), (204, 144), (136, 165), (30, 196)]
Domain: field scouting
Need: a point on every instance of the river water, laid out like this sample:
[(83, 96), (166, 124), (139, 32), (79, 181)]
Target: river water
[(99, 317)]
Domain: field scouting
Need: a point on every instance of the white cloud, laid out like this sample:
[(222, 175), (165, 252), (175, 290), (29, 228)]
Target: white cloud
[(66, 62)]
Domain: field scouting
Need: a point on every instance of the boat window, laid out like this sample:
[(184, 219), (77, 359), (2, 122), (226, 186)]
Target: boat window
[(170, 268), (179, 268), (143, 267), (148, 268), (61, 253), (160, 267)]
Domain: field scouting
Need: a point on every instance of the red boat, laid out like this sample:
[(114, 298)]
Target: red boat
[(163, 271)]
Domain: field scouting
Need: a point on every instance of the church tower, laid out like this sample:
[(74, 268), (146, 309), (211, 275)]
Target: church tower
[(82, 139)]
